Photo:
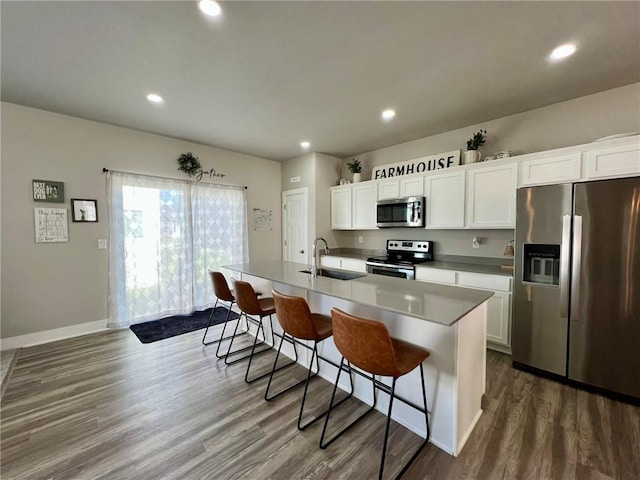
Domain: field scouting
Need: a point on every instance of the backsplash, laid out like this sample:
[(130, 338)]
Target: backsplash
[(447, 242)]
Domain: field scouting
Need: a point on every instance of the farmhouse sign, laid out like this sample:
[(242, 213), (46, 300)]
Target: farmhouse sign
[(419, 165)]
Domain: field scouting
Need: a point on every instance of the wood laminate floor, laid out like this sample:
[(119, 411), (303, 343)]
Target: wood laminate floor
[(105, 406)]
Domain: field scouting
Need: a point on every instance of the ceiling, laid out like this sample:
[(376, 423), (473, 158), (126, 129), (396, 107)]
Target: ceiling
[(266, 75)]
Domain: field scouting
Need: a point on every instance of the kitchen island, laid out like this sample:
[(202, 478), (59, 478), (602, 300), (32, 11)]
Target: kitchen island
[(448, 321)]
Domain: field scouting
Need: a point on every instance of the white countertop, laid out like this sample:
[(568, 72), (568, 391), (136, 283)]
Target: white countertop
[(440, 304)]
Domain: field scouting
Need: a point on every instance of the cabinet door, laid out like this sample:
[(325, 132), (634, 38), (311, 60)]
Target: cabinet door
[(412, 187), (341, 208), (364, 206), (611, 162), (445, 195), (388, 189), (435, 275), (491, 197), (328, 261), (354, 264), (498, 319), (550, 170)]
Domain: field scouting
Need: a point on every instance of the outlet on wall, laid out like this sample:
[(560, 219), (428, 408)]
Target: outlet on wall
[(360, 239)]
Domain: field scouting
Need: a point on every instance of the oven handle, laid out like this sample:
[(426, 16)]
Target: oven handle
[(376, 264), (409, 272)]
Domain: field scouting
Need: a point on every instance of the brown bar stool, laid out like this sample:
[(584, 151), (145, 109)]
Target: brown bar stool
[(249, 304), (223, 293), (368, 345), (297, 321)]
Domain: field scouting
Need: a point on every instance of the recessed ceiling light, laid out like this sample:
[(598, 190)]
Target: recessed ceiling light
[(563, 51), (305, 145), (152, 97), (388, 114), (209, 7)]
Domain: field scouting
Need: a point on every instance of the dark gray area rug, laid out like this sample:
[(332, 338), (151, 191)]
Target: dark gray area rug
[(168, 327)]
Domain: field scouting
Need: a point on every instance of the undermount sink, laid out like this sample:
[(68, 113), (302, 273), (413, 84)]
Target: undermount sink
[(323, 272)]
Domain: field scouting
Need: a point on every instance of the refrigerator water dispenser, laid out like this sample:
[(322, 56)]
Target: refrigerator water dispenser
[(541, 264)]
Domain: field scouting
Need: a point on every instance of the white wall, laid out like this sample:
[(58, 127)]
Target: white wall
[(573, 122), (317, 172), (57, 285)]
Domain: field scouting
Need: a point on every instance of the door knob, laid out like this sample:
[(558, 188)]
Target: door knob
[(301, 251)]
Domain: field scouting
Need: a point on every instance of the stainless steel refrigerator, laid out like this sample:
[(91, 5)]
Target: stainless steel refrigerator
[(576, 299)]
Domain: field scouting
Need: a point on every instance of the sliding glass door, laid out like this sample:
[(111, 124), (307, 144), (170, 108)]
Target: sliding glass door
[(164, 235)]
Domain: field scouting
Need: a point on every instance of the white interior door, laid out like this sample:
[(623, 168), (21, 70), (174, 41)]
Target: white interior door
[(294, 226)]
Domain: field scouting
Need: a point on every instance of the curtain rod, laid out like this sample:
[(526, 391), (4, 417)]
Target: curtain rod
[(105, 170)]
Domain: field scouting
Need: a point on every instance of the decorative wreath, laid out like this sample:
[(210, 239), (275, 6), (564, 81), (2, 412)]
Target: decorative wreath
[(189, 164)]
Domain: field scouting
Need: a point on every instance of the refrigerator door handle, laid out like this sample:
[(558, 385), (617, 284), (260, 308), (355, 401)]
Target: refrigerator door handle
[(565, 273), (575, 269)]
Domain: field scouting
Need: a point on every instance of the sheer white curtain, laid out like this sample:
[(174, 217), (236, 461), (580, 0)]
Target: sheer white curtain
[(164, 234)]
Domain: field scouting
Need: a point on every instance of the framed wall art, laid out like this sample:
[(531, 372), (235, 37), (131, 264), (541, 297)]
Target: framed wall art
[(51, 225), (48, 191), (84, 210)]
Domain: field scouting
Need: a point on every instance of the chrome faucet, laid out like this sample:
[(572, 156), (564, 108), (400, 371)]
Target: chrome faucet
[(314, 264)]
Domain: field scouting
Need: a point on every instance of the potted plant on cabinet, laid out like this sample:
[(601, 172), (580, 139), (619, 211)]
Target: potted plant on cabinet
[(355, 167), (472, 155)]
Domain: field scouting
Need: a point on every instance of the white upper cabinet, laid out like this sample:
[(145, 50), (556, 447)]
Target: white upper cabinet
[(491, 196), (388, 189), (618, 161), (401, 187), (549, 170), (341, 207), (412, 186), (445, 200), (364, 206)]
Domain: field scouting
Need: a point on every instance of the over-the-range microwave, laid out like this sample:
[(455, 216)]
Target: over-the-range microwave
[(400, 212)]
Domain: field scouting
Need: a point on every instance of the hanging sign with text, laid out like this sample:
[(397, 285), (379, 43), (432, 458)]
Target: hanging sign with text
[(419, 165)]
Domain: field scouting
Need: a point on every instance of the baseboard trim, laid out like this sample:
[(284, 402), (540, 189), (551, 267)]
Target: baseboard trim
[(47, 336)]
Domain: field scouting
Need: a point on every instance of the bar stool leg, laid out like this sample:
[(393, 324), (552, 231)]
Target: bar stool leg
[(261, 326), (306, 388), (274, 369), (244, 349), (222, 337), (386, 430), (426, 418), (324, 444)]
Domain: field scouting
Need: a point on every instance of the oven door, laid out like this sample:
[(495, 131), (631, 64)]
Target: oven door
[(391, 271)]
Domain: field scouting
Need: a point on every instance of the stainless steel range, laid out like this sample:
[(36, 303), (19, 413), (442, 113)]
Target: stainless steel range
[(401, 259)]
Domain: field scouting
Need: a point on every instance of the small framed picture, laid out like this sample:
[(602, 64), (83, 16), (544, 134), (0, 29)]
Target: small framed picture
[(84, 210), (48, 191)]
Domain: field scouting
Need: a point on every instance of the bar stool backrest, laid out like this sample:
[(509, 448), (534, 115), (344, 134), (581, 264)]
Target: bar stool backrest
[(365, 343), (294, 316), (220, 286), (246, 298)]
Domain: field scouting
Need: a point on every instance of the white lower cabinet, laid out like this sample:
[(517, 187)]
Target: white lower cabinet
[(498, 306), (343, 263), (498, 324), (328, 261)]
